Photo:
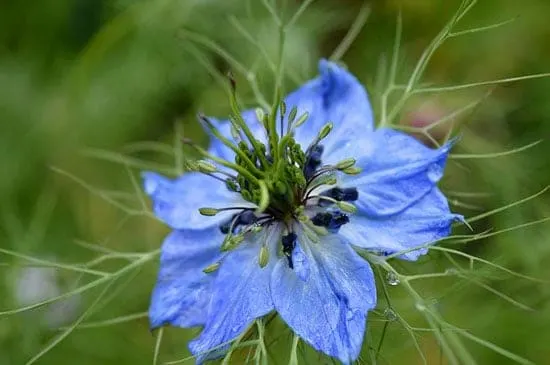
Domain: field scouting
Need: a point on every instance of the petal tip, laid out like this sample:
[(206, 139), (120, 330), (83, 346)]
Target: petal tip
[(151, 182)]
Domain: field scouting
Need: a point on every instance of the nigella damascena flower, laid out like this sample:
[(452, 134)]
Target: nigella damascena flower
[(272, 220)]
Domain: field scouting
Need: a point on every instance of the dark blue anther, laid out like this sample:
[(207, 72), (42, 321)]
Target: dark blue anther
[(247, 217), (322, 219), (289, 242), (346, 194), (313, 160), (332, 221), (338, 220)]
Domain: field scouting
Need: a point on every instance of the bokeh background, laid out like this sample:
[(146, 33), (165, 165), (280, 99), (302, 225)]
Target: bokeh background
[(94, 91)]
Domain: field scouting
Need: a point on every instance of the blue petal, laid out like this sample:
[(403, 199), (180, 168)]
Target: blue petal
[(176, 202), (240, 294), (329, 309), (397, 171), (424, 222), (301, 263), (182, 291), (335, 96)]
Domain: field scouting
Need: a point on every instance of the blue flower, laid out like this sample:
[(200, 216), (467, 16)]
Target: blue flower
[(279, 231)]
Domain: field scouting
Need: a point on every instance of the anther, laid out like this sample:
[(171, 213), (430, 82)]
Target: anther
[(327, 128), (263, 258), (301, 120), (345, 164), (205, 167), (332, 221), (208, 212), (338, 220), (211, 268), (354, 170), (347, 207)]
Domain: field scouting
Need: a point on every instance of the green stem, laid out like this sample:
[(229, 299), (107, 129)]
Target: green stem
[(241, 122), (234, 148)]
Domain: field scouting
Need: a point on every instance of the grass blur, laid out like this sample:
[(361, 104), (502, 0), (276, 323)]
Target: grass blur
[(92, 92)]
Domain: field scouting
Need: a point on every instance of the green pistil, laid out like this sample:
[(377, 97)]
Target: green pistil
[(272, 134), (230, 145), (238, 120)]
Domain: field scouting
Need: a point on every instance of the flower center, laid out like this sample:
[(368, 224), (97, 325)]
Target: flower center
[(284, 183)]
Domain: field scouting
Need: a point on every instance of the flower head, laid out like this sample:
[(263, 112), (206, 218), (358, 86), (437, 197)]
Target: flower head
[(271, 219)]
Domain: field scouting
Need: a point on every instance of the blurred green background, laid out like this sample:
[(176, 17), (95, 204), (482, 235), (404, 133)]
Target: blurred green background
[(94, 91)]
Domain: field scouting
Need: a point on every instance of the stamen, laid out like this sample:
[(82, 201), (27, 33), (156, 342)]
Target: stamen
[(313, 160), (241, 170), (301, 120), (322, 219), (332, 221), (345, 194), (319, 181)]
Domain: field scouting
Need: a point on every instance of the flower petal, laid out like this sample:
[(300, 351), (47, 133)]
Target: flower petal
[(329, 309), (397, 171), (426, 221), (301, 263), (240, 294), (335, 96), (177, 202), (182, 291)]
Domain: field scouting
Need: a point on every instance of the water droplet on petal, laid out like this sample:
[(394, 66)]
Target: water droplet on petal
[(350, 314), (392, 279), (236, 329), (390, 314), (435, 171)]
